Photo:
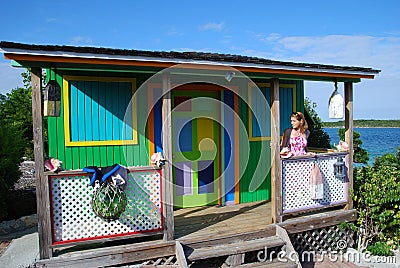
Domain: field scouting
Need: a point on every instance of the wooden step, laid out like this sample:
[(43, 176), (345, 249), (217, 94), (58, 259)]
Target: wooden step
[(274, 264), (233, 248), (212, 240), (112, 256)]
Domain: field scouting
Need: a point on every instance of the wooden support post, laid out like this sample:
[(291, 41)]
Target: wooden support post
[(167, 192), (42, 196), (348, 97), (276, 168)]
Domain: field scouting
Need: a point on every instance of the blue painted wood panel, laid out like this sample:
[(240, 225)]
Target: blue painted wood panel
[(229, 135), (100, 111), (206, 176), (261, 115)]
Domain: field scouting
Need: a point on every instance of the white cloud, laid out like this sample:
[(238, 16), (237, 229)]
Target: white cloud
[(377, 99), (50, 20), (10, 77), (212, 26), (81, 40), (172, 31)]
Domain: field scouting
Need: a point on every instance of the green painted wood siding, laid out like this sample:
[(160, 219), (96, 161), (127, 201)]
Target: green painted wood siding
[(256, 170), (78, 157)]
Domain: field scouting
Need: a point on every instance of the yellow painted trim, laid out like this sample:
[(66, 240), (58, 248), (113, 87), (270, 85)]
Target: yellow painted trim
[(250, 118), (67, 128)]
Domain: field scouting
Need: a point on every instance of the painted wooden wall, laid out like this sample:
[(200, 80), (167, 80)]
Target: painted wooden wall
[(255, 182), (89, 107), (256, 169)]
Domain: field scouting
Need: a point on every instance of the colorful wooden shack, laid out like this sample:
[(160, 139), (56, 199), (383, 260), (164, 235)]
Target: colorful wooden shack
[(217, 120)]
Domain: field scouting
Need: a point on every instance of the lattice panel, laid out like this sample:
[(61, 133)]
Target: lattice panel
[(333, 238), (296, 184), (73, 218), (165, 261)]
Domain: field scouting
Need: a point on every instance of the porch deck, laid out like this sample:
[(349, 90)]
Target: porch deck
[(215, 221)]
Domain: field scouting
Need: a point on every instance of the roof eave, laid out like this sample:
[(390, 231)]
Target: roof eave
[(40, 55)]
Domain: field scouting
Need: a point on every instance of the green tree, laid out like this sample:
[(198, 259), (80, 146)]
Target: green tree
[(318, 137), (12, 147), (360, 155), (377, 200), (16, 112)]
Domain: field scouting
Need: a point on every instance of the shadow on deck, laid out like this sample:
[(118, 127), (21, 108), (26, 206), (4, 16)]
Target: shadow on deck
[(215, 221)]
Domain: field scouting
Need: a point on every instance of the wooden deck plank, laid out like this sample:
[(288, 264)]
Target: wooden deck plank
[(233, 248), (319, 220), (218, 221), (115, 255)]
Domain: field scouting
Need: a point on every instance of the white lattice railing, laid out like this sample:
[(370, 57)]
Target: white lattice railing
[(296, 192), (72, 217)]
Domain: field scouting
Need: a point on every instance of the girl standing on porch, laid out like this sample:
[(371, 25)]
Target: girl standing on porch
[(295, 138)]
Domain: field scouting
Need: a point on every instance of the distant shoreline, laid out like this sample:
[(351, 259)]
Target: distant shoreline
[(363, 123), (357, 127)]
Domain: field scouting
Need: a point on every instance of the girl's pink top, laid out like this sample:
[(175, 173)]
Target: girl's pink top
[(298, 145)]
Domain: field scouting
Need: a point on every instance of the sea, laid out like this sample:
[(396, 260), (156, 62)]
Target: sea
[(377, 141)]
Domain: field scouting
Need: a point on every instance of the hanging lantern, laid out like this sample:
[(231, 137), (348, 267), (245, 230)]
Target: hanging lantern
[(52, 98), (339, 168), (336, 104)]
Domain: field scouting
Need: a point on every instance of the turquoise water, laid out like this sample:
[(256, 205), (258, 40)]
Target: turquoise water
[(377, 141)]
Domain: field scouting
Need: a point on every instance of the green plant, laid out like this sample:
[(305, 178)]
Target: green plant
[(360, 155), (11, 152), (380, 249), (377, 199), (16, 111), (318, 137)]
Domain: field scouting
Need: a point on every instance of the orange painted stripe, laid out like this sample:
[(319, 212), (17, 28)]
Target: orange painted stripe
[(150, 121), (237, 149), (54, 59), (220, 151)]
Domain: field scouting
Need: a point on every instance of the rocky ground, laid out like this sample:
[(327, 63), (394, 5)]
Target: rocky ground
[(27, 180), (22, 210)]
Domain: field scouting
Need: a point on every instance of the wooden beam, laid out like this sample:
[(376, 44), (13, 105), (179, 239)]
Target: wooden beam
[(348, 98), (180, 255), (320, 220), (280, 232), (42, 190), (167, 184), (276, 168), (111, 256), (42, 59)]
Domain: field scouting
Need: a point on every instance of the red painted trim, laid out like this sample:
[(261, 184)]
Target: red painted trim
[(49, 178), (105, 236), (102, 237)]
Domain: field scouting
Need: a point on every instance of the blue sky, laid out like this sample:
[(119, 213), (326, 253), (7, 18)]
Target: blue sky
[(352, 33)]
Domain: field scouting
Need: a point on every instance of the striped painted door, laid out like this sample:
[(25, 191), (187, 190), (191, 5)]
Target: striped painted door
[(196, 147)]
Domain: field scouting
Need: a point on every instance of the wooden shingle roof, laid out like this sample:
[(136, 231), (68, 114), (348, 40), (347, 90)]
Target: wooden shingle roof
[(174, 56)]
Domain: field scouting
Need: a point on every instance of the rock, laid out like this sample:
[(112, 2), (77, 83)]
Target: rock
[(12, 226), (30, 221)]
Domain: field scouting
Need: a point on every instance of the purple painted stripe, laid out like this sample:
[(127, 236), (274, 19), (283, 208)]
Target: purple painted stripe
[(183, 175)]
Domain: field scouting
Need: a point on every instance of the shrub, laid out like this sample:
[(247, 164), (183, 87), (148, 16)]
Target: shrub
[(318, 137), (380, 249), (12, 148), (377, 199), (360, 154)]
